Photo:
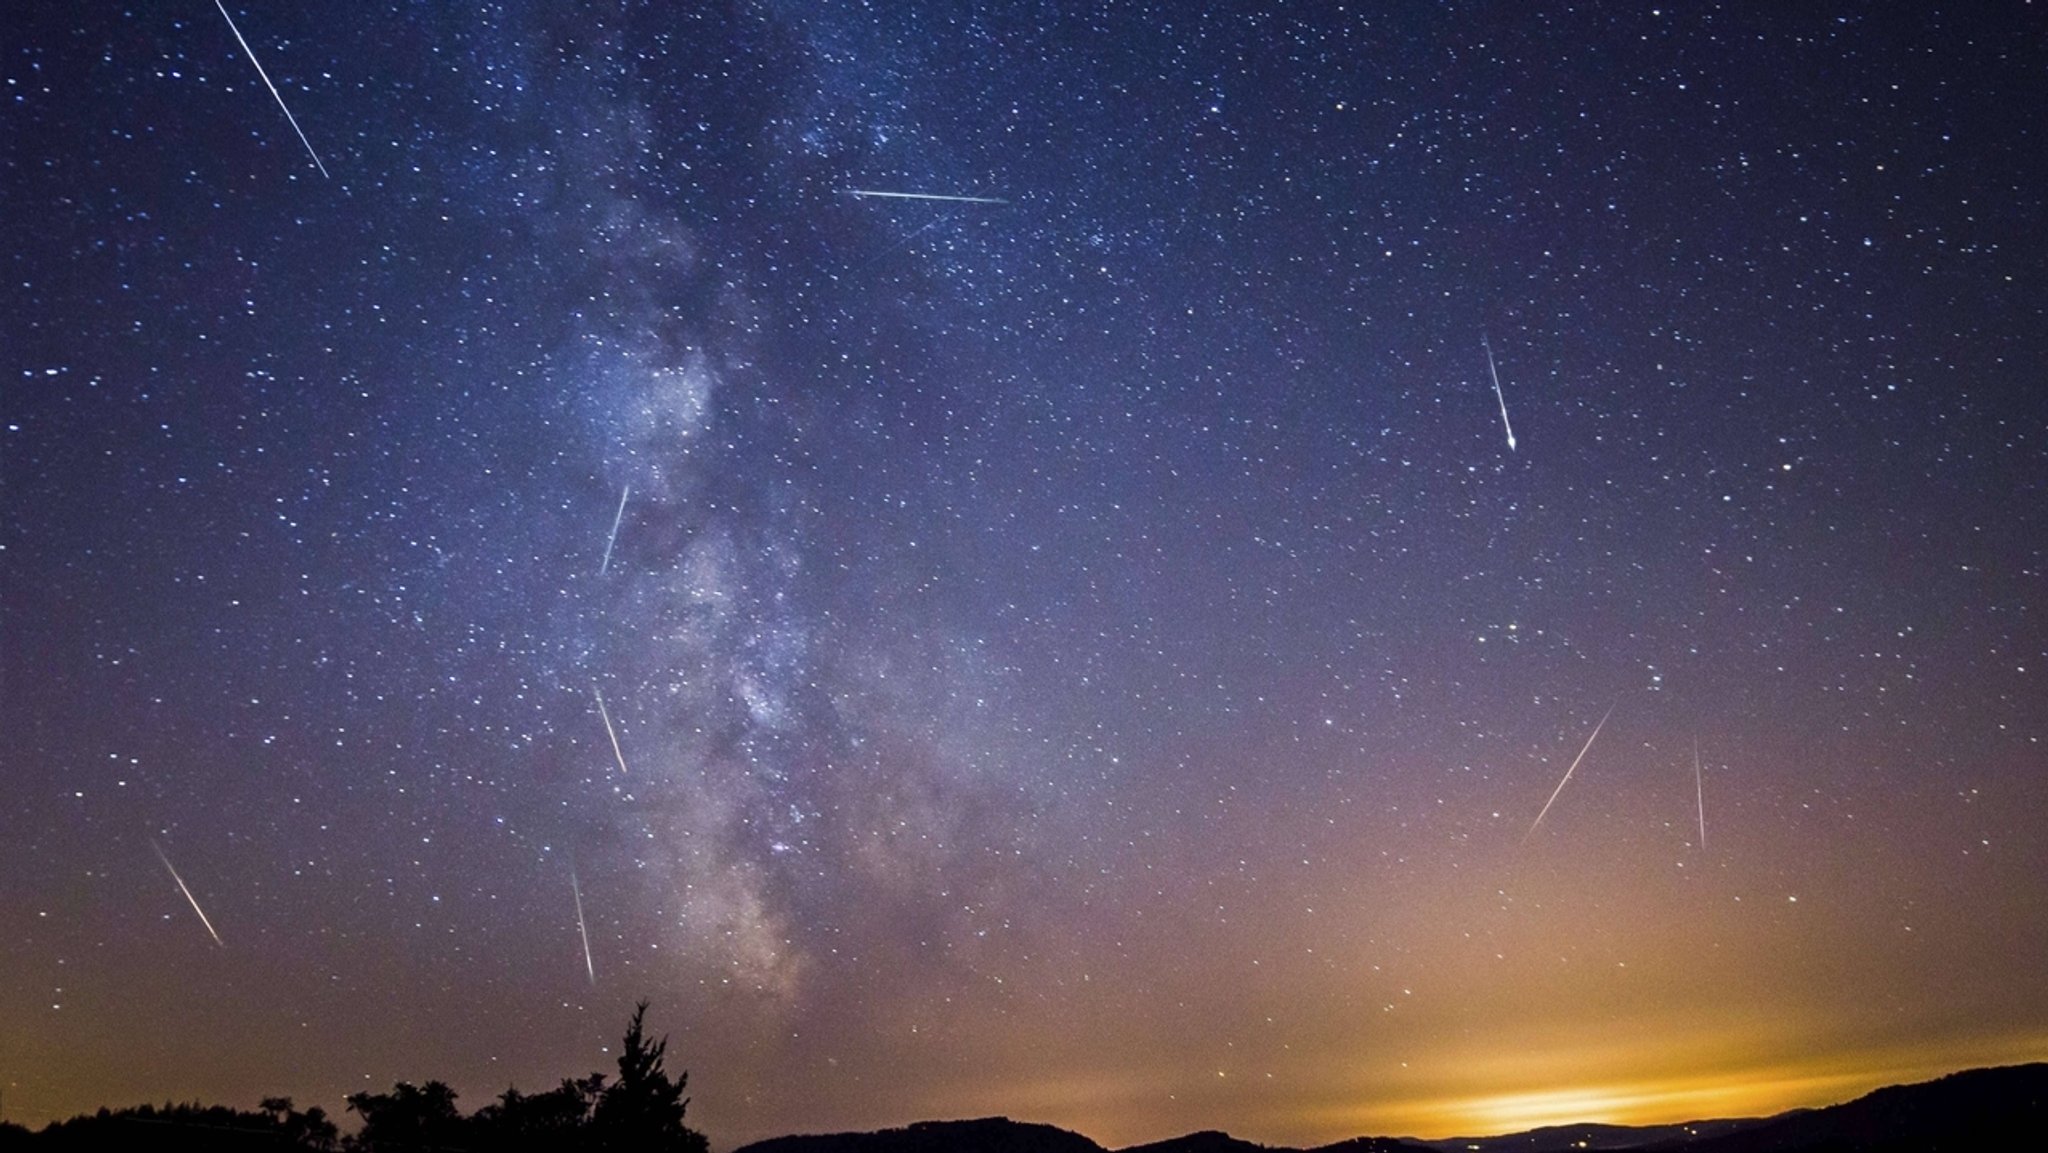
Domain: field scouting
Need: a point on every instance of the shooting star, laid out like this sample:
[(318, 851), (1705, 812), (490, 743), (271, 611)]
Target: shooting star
[(1567, 775), (919, 195), (589, 966), (273, 88), (188, 893), (613, 539), (608, 730), (1497, 394), (1699, 791)]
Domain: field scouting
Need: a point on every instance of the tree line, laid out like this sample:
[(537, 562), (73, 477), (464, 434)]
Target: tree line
[(641, 1110)]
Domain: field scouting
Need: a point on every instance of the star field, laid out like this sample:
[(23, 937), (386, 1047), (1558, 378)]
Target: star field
[(1092, 656)]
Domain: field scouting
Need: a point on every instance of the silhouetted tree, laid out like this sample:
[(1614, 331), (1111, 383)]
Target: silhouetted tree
[(643, 1109), (310, 1129), (558, 1119), (409, 1118)]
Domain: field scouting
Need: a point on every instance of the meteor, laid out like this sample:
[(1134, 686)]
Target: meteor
[(1699, 791), (188, 893), (613, 539), (1567, 775), (922, 196), (273, 91), (588, 966), (1497, 395), (608, 730)]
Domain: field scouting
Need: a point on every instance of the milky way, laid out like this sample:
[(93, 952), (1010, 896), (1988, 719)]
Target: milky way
[(1088, 646)]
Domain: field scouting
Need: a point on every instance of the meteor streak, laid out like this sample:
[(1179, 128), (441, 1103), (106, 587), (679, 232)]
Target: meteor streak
[(588, 966), (273, 91), (1699, 791), (188, 893), (1497, 395), (920, 195), (613, 539), (1567, 775), (608, 730)]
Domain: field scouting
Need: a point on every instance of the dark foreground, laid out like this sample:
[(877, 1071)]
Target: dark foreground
[(1982, 1109)]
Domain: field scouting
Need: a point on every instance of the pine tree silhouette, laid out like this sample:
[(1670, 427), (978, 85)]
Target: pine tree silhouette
[(643, 1109)]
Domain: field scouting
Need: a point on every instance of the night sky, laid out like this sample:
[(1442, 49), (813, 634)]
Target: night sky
[(1089, 654)]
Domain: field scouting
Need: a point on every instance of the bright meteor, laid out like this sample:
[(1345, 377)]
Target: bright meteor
[(589, 966), (608, 730), (1699, 791), (925, 196), (1567, 775), (273, 91), (624, 491), (1497, 394), (188, 893)]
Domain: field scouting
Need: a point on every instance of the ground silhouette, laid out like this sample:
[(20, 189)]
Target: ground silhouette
[(641, 1112), (1982, 1109)]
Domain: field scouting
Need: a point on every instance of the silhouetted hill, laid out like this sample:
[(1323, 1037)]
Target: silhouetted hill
[(1982, 1109), (1590, 1136), (987, 1135), (1979, 1109), (1374, 1145), (1207, 1141), (1002, 1135), (1210, 1141)]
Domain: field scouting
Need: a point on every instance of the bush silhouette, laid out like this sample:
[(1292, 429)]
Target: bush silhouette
[(174, 1128), (409, 1117), (556, 1119)]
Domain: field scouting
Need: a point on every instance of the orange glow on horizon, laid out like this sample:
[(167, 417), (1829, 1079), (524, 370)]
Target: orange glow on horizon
[(1642, 1103), (1669, 1100)]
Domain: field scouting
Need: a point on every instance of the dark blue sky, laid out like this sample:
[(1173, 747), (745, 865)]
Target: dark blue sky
[(1092, 656)]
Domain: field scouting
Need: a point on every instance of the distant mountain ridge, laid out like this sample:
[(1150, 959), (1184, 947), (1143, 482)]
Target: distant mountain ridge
[(1002, 1135), (1210, 1141), (990, 1134), (1601, 1138), (1980, 1109)]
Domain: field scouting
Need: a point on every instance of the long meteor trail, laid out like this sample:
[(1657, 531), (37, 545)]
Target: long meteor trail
[(589, 966), (273, 88), (624, 491), (1567, 775), (919, 195), (1699, 791), (1497, 394), (188, 893), (608, 730)]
